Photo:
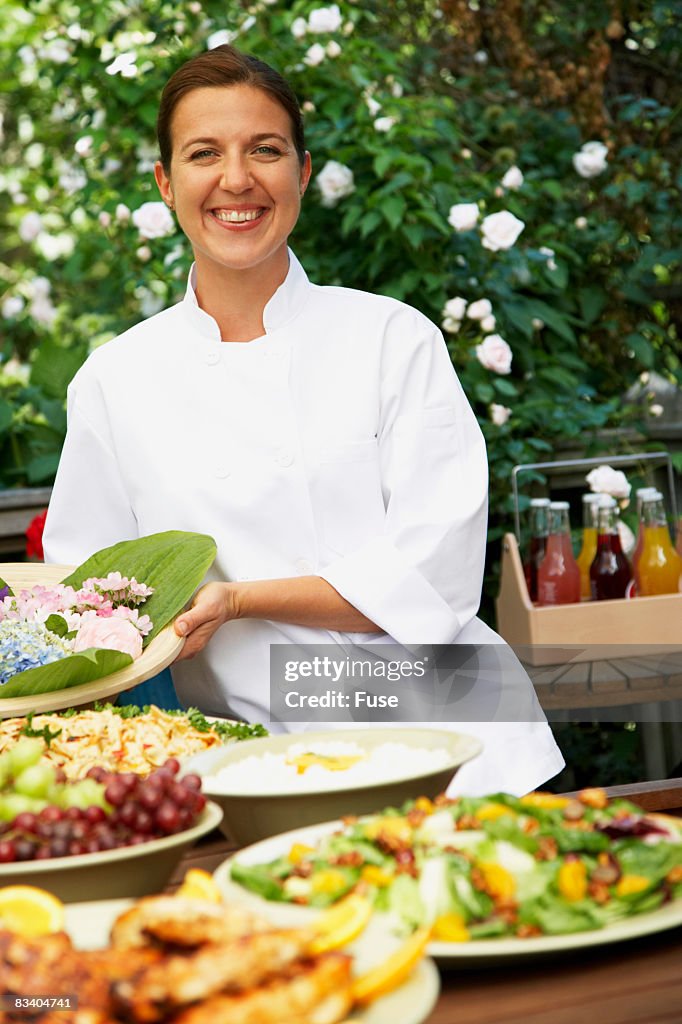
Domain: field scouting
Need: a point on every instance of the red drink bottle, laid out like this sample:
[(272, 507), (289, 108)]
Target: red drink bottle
[(559, 575), (539, 528), (610, 571)]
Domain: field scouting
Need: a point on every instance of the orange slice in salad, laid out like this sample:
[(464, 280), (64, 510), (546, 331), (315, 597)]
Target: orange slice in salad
[(29, 911), (393, 971), (341, 923)]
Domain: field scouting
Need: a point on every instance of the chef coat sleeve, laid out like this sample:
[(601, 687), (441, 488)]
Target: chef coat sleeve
[(420, 580), (89, 508)]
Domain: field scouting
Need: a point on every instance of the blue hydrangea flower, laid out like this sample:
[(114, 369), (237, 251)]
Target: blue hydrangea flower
[(26, 645)]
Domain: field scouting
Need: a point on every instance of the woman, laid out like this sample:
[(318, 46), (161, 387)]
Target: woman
[(319, 434)]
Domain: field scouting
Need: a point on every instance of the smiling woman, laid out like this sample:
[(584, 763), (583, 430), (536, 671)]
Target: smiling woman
[(320, 434)]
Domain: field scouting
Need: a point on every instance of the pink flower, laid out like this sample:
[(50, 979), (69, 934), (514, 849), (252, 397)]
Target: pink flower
[(495, 354), (114, 634)]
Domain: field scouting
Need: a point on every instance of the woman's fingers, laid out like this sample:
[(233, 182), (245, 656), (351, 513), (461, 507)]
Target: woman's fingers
[(208, 612)]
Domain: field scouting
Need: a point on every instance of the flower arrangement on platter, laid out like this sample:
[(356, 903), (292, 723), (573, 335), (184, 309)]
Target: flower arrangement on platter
[(92, 623), (41, 625)]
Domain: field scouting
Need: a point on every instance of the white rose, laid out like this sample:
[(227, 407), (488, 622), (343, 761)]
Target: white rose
[(42, 310), (372, 105), (153, 220), (513, 179), (83, 145), (384, 124), (104, 218), (333, 49), (220, 38), (122, 213), (124, 65), (325, 19), (590, 160), (463, 216), (335, 181), (465, 154), (480, 309), (499, 414), (451, 325), (455, 308), (656, 409), (605, 480), (55, 247), (488, 324), (40, 287), (495, 354), (500, 230), (581, 223), (299, 27), (314, 55), (144, 253), (30, 227), (537, 324), (12, 306)]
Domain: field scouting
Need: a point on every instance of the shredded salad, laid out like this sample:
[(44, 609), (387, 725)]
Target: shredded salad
[(488, 867)]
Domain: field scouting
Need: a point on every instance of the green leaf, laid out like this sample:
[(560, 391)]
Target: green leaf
[(393, 209), (6, 416), (54, 366), (57, 624), (174, 563), (484, 392), (642, 349), (83, 667), (505, 387), (592, 301), (369, 223)]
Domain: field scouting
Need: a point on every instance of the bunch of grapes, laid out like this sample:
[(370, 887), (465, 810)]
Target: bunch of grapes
[(45, 816)]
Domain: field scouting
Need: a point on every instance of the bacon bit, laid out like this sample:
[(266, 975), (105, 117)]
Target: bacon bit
[(467, 821), (547, 849), (528, 931), (674, 876), (443, 800), (530, 826), (507, 911), (350, 859), (405, 863), (478, 880), (303, 900), (303, 869), (415, 817), (574, 810), (349, 819), (118, 754), (599, 892), (595, 798)]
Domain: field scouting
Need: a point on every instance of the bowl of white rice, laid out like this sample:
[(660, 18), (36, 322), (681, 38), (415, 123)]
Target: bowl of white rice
[(271, 785)]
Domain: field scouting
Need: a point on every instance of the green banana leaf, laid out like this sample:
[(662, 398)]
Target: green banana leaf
[(174, 563)]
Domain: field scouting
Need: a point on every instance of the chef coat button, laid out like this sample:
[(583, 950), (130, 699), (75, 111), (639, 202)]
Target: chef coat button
[(304, 566), (284, 458), (212, 358), (222, 472)]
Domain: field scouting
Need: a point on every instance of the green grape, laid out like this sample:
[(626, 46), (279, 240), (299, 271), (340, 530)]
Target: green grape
[(91, 792), (25, 753), (36, 780), (5, 768), (15, 803)]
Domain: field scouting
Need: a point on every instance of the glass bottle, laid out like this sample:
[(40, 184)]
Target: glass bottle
[(678, 541), (660, 566), (558, 575), (641, 493), (539, 528), (589, 543), (610, 572)]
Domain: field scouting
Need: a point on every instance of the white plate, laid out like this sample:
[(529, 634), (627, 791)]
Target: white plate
[(454, 953), (89, 925)]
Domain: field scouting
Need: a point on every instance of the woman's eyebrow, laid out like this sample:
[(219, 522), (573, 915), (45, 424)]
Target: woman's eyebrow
[(205, 141)]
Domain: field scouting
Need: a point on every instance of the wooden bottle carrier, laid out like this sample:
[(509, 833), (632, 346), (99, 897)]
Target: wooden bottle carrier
[(637, 624)]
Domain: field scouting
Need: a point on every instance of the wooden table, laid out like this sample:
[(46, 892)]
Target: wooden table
[(637, 982)]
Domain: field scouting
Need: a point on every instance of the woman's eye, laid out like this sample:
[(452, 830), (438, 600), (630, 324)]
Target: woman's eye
[(202, 154), (267, 150)]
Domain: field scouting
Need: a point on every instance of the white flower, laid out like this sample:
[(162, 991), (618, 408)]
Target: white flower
[(455, 308), (72, 179), (513, 179), (372, 105), (122, 213), (30, 227), (314, 55), (220, 38), (644, 377), (580, 223), (194, 7), (606, 480), (549, 253), (146, 157), (451, 325), (465, 154), (17, 370), (537, 324), (299, 27), (463, 216), (656, 409), (396, 88), (34, 155), (124, 65), (488, 323), (348, 28), (499, 414), (325, 19), (335, 181), (308, 107), (384, 124), (590, 160), (333, 48), (500, 230), (495, 354), (55, 247), (481, 57), (12, 306), (480, 309), (57, 51), (42, 310), (83, 145), (153, 220), (144, 253), (104, 218), (40, 287), (111, 164)]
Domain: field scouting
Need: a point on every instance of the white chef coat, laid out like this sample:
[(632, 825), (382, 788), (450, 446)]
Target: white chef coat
[(340, 443)]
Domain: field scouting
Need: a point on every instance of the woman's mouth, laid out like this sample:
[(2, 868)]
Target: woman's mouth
[(239, 218)]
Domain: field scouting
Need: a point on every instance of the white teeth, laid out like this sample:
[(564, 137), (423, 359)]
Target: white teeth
[(237, 216)]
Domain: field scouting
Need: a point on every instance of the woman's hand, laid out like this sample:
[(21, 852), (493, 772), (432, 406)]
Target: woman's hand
[(213, 605)]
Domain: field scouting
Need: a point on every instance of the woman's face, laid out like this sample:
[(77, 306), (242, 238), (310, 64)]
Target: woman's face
[(235, 177)]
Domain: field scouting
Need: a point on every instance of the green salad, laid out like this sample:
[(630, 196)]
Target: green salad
[(488, 867)]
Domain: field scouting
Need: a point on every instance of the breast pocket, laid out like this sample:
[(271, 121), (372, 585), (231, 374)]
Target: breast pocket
[(348, 498)]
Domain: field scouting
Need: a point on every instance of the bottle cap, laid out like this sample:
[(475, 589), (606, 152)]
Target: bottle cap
[(653, 495), (539, 502), (606, 501), (642, 491), (590, 498), (559, 506)]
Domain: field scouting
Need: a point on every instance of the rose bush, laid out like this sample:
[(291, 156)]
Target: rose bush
[(564, 219)]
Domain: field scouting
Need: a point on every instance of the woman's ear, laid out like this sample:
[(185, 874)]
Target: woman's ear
[(164, 184), (306, 171)]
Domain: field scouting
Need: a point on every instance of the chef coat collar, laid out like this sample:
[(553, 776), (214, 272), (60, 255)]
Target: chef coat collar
[(282, 307)]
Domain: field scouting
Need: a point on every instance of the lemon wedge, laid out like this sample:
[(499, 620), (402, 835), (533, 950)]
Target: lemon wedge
[(29, 911), (341, 923), (199, 885), (393, 971)]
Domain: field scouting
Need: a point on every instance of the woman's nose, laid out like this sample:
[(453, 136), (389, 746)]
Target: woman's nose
[(235, 175)]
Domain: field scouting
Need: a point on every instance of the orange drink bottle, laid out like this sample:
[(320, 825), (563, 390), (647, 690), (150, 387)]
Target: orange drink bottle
[(558, 575), (642, 493), (610, 572), (678, 542), (660, 566), (589, 543), (539, 512)]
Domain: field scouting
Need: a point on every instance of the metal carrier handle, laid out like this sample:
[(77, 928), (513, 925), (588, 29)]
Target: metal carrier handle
[(612, 460)]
